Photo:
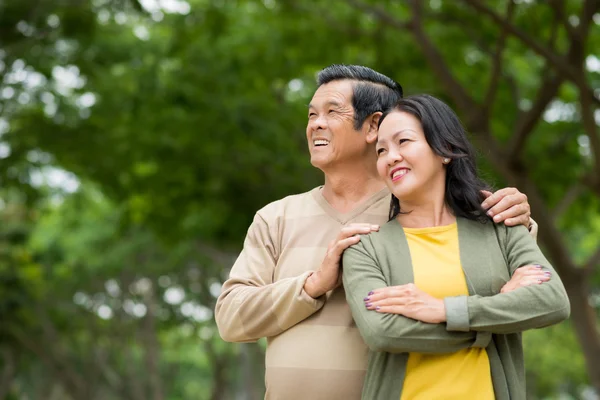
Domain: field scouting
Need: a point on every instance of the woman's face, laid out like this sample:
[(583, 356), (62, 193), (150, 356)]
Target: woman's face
[(405, 162)]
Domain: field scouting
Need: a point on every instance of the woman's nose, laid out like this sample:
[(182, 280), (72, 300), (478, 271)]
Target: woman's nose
[(394, 157)]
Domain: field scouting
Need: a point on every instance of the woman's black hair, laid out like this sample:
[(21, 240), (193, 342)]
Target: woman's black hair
[(447, 138)]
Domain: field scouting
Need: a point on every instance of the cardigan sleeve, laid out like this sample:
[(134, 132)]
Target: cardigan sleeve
[(251, 304), (525, 308), (391, 332)]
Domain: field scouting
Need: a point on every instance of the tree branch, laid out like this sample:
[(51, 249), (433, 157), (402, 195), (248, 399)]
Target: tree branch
[(558, 6), (497, 61), (380, 14), (437, 62), (589, 125), (571, 195), (592, 262), (561, 65), (528, 120)]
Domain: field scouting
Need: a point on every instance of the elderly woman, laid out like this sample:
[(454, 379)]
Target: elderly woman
[(428, 291)]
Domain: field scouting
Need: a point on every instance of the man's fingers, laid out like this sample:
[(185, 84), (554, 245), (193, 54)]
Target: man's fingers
[(506, 203), (517, 210), (343, 244), (494, 198), (356, 229), (521, 220)]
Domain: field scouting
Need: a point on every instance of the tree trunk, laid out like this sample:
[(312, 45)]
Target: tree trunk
[(574, 278), (8, 372), (152, 348), (583, 316)]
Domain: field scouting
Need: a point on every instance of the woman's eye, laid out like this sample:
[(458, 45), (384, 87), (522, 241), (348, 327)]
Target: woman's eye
[(403, 140), (311, 115), (380, 151)]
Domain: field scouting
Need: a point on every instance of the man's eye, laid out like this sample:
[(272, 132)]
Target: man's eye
[(331, 111), (311, 115)]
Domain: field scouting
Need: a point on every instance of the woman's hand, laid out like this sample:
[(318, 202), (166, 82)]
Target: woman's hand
[(407, 300), (526, 276)]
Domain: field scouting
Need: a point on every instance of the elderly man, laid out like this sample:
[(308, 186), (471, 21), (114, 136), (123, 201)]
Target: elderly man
[(285, 283)]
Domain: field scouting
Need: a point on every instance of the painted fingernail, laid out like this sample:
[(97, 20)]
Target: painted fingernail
[(538, 266), (366, 298), (370, 293), (368, 304), (548, 273), (377, 308)]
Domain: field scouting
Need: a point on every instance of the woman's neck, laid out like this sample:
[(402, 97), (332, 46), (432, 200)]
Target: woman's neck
[(430, 211)]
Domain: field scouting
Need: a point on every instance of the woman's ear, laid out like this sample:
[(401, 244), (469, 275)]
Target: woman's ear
[(373, 126)]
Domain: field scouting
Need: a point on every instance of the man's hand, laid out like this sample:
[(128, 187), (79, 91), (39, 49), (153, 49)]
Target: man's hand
[(508, 205), (526, 276), (328, 277), (407, 300)]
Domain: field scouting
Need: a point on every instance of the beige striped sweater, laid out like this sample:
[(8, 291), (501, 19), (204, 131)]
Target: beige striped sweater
[(314, 349)]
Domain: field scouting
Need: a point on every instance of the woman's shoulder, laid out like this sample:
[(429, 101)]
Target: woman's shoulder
[(476, 229), (387, 232), (374, 242)]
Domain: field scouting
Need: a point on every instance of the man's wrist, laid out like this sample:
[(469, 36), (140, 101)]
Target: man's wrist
[(311, 287)]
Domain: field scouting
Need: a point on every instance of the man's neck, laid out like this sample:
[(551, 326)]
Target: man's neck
[(345, 189)]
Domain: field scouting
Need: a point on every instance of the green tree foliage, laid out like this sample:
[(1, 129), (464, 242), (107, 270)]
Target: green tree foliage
[(137, 139)]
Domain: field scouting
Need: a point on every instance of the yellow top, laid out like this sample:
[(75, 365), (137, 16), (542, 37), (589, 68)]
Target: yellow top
[(437, 270)]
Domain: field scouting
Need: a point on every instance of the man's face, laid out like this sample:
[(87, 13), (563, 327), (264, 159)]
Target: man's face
[(332, 139)]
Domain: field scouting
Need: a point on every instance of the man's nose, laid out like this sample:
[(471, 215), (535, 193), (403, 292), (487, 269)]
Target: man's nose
[(317, 123)]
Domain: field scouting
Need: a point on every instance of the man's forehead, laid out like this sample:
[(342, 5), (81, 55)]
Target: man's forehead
[(336, 93)]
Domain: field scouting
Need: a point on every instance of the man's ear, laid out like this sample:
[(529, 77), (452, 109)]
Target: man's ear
[(373, 126)]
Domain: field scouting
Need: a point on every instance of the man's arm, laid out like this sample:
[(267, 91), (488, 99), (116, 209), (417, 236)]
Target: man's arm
[(251, 305), (391, 332)]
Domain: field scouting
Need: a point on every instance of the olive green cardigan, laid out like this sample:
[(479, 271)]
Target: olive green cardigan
[(489, 253)]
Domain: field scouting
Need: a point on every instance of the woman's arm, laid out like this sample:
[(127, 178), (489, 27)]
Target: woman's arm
[(391, 332), (525, 308)]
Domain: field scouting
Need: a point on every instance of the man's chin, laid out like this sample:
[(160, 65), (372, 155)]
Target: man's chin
[(320, 162)]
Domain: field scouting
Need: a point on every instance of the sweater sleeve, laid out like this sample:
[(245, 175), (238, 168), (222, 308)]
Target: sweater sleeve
[(251, 305), (394, 333), (525, 308)]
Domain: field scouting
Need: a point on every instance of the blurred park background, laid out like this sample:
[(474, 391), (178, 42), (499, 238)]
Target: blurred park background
[(138, 138)]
